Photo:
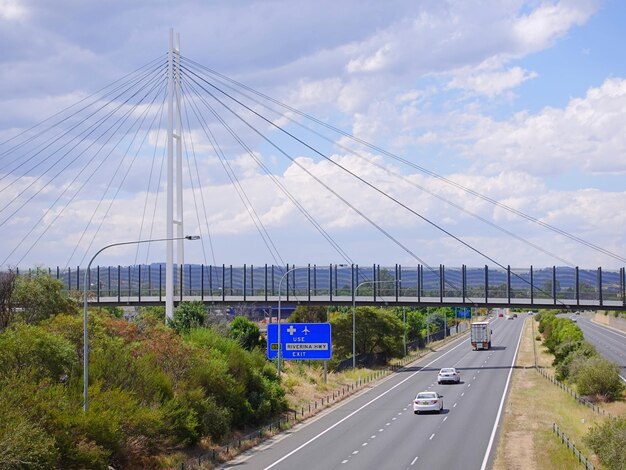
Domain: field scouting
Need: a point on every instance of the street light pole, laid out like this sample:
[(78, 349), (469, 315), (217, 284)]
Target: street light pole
[(279, 319), (354, 316), (86, 315)]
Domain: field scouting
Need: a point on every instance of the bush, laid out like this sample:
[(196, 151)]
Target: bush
[(608, 441), (30, 347), (246, 333), (599, 378), (24, 444), (577, 354)]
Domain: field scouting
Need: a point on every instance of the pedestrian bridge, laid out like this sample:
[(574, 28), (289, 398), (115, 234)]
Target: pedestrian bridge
[(556, 287)]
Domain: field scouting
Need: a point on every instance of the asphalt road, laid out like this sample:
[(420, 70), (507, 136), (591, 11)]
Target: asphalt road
[(609, 343), (377, 428)]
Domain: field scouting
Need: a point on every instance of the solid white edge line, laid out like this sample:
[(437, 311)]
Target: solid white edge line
[(506, 389), (462, 343)]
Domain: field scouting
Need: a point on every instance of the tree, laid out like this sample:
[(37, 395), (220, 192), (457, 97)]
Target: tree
[(246, 333), (308, 314), (377, 331), (41, 296), (189, 315), (7, 286)]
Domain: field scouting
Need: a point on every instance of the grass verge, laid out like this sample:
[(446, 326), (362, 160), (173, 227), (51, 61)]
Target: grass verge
[(526, 439)]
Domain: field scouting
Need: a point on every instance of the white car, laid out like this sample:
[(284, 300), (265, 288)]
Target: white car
[(448, 374), (427, 401)]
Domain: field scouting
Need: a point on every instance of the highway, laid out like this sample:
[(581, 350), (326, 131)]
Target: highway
[(608, 342), (377, 428)]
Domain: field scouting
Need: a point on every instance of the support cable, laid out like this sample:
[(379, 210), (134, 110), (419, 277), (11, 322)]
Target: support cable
[(56, 137), (195, 161), (49, 210), (406, 180), (419, 168), (130, 166), (59, 113), (267, 240), (406, 249), (299, 206), (152, 162), (93, 128)]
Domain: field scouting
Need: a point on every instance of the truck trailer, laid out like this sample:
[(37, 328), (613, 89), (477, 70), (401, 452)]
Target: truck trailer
[(480, 335)]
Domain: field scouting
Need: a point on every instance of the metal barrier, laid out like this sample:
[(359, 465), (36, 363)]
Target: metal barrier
[(570, 445)]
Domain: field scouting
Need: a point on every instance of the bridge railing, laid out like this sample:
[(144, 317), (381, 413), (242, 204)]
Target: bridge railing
[(558, 286)]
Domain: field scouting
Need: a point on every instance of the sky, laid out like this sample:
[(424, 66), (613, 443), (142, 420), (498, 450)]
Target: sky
[(521, 102)]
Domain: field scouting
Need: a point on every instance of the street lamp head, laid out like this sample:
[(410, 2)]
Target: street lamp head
[(192, 237)]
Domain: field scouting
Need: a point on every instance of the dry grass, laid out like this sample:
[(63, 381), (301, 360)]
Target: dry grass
[(526, 440)]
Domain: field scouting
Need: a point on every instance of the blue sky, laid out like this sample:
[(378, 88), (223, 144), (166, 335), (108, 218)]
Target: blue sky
[(521, 101)]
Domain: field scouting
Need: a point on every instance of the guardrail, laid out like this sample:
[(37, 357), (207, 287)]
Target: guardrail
[(295, 416), (284, 422), (570, 445)]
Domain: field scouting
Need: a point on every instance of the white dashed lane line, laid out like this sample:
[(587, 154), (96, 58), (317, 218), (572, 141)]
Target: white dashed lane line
[(431, 437), (414, 460)]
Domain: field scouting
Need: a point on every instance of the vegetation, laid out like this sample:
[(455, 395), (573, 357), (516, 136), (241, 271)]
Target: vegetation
[(608, 441), (247, 333), (377, 331), (153, 389), (577, 361)]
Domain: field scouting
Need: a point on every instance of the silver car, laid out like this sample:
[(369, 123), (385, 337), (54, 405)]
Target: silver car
[(449, 374), (427, 401)]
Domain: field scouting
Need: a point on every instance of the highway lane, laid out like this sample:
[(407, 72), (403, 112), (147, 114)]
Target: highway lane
[(378, 429), (609, 343)]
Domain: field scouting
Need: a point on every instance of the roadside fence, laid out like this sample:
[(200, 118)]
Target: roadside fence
[(570, 445), (288, 419), (577, 397)]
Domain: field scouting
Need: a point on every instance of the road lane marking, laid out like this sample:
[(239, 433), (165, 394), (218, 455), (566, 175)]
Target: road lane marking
[(344, 461), (431, 437), (462, 393), (454, 406), (314, 438), (364, 444), (355, 452), (387, 424), (414, 460), (469, 385), (381, 430), (394, 418), (444, 419), (506, 388), (373, 437)]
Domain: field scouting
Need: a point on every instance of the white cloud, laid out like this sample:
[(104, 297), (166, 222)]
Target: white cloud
[(587, 135), (492, 83), (12, 10)]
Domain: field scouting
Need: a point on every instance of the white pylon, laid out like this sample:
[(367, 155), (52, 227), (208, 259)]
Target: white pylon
[(174, 132)]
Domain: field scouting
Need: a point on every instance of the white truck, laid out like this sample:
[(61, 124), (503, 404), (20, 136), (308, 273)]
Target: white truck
[(480, 335)]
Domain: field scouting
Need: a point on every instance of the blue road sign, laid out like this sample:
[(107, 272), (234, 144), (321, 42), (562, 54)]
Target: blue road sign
[(464, 312), (300, 341)]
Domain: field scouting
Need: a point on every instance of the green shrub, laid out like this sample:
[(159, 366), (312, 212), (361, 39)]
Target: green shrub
[(599, 378), (577, 354), (24, 444), (246, 333), (608, 441), (30, 347)]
